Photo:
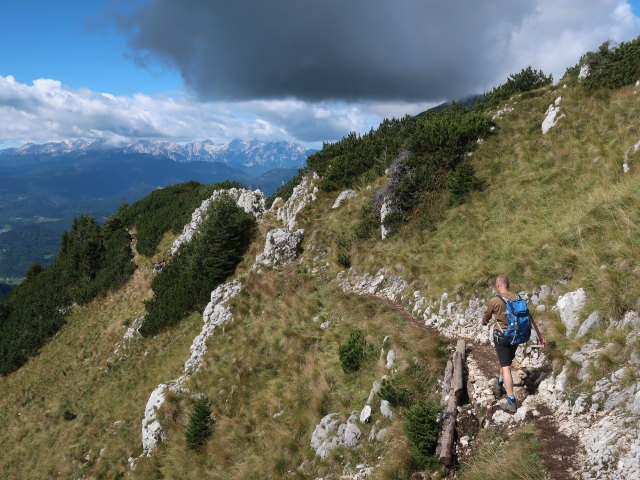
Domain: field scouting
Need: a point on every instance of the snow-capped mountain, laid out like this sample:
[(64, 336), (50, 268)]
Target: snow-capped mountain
[(255, 154)]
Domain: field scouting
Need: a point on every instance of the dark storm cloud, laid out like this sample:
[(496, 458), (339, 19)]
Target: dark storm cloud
[(328, 49)]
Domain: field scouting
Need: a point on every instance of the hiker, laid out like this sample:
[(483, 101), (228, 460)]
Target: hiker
[(505, 349)]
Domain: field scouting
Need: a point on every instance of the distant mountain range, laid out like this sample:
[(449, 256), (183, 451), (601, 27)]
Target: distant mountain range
[(255, 155), (43, 187)]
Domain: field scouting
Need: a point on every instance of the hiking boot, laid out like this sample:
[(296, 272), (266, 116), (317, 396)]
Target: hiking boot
[(508, 405), (499, 387)]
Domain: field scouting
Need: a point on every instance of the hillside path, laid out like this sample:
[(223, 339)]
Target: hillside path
[(559, 451)]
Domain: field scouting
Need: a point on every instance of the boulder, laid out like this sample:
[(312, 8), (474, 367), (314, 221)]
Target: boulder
[(280, 246), (365, 414), (592, 322), (570, 306)]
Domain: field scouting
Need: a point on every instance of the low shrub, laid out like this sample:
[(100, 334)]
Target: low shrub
[(200, 425), (353, 352), (525, 80), (421, 427)]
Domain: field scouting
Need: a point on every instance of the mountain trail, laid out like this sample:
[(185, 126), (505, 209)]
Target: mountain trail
[(560, 456)]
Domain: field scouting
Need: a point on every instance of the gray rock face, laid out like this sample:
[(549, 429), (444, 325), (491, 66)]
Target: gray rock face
[(303, 194), (592, 322), (570, 306), (251, 201), (281, 246), (346, 195)]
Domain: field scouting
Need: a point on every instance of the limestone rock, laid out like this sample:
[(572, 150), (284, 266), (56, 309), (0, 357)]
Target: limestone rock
[(391, 356), (570, 306), (352, 433), (303, 194), (346, 195), (381, 435), (584, 72), (365, 414), (385, 409), (630, 320), (322, 439), (552, 117), (152, 432), (592, 322), (385, 210), (281, 246), (215, 314), (501, 417), (377, 385)]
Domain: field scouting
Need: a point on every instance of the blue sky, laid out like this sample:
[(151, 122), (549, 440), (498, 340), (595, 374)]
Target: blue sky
[(166, 70), (74, 41)]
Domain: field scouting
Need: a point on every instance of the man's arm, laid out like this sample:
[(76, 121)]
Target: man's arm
[(488, 313)]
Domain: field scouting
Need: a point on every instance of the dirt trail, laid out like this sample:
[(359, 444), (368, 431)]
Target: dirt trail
[(559, 451)]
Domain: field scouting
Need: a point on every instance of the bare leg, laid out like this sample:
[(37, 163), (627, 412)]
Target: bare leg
[(505, 372)]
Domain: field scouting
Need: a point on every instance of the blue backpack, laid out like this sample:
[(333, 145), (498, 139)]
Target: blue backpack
[(518, 320)]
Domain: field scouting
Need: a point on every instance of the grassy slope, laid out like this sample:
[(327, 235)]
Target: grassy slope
[(557, 208)]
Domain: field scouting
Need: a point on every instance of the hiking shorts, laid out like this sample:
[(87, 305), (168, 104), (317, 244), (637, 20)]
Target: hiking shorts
[(506, 352)]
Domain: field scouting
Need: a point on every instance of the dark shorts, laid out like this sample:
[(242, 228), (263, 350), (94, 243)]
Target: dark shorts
[(506, 352)]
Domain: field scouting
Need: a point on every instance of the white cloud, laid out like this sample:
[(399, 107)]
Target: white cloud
[(558, 33), (49, 111)]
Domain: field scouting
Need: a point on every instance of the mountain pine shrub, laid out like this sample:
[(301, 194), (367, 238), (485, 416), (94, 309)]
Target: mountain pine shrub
[(353, 352), (612, 66), (396, 395), (200, 425), (421, 427), (432, 168), (524, 81), (186, 282)]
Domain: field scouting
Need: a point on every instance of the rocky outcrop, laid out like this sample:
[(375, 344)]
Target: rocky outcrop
[(303, 194), (251, 201), (331, 433), (216, 314), (346, 195), (280, 246), (552, 116)]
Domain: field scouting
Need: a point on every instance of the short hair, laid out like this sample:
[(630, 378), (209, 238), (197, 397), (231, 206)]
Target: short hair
[(503, 280)]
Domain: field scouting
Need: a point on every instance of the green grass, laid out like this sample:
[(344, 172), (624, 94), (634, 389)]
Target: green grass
[(506, 457)]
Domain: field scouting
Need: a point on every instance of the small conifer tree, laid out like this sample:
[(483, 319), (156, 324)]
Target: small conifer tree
[(200, 425)]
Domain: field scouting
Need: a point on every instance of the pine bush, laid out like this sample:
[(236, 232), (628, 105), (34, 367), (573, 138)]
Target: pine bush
[(200, 425), (421, 427), (353, 352)]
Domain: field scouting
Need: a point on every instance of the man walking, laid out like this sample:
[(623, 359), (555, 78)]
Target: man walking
[(505, 350)]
